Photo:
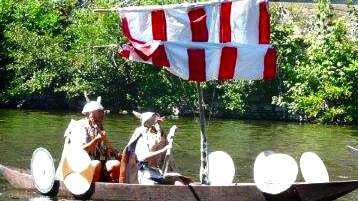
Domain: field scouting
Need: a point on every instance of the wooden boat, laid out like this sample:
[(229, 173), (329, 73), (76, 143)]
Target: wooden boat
[(21, 179), (353, 150)]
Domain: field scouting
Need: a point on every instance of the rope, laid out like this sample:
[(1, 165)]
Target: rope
[(186, 96)]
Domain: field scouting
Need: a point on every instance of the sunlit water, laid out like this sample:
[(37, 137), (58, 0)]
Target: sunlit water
[(23, 131)]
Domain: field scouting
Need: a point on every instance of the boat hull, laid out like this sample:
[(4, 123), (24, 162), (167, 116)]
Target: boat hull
[(241, 191)]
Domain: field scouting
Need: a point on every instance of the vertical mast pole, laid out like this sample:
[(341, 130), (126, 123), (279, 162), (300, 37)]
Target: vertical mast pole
[(204, 170)]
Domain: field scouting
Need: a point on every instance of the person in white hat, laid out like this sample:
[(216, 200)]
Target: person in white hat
[(90, 134), (150, 147)]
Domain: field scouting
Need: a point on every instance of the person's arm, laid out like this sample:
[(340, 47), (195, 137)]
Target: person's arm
[(154, 153), (90, 146)]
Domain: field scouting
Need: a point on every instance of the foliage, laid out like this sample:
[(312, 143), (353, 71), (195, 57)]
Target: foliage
[(320, 82), (48, 60)]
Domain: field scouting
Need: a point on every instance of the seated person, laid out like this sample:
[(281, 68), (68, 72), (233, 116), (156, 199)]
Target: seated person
[(150, 144), (90, 134)]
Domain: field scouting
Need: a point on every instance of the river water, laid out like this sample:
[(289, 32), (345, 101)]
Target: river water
[(21, 132)]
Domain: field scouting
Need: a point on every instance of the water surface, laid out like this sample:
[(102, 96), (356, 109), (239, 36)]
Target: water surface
[(21, 132)]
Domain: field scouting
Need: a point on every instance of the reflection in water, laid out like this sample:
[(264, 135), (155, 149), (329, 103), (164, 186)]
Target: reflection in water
[(21, 132)]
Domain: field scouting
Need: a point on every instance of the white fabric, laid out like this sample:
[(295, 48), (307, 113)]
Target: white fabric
[(145, 143), (75, 135), (212, 58), (178, 24), (140, 25), (92, 106), (250, 62), (146, 116), (213, 22), (142, 148), (178, 61), (79, 136), (243, 20)]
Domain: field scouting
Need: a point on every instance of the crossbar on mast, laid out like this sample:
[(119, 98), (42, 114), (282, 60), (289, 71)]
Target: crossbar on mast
[(107, 46), (105, 10)]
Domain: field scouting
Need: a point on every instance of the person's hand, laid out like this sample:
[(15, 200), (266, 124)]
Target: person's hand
[(103, 134), (98, 138), (168, 146)]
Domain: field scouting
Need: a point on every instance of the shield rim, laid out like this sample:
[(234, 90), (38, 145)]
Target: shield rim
[(43, 190)]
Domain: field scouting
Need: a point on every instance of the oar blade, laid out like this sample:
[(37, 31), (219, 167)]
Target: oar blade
[(353, 150)]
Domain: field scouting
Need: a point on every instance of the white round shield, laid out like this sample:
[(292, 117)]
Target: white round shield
[(274, 172), (221, 168), (78, 174), (313, 169), (76, 183), (42, 170)]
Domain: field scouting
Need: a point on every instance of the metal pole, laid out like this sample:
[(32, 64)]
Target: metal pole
[(204, 169)]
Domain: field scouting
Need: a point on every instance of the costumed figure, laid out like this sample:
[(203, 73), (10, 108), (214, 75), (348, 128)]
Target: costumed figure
[(90, 135), (145, 153)]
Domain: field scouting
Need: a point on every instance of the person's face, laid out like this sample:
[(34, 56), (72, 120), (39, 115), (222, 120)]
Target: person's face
[(156, 127), (97, 116)]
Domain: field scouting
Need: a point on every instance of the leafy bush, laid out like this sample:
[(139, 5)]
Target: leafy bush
[(319, 82), (48, 60)]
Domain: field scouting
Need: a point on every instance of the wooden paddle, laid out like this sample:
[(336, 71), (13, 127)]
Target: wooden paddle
[(353, 150), (170, 138), (170, 178)]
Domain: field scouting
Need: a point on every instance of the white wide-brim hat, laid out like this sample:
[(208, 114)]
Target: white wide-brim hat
[(92, 106)]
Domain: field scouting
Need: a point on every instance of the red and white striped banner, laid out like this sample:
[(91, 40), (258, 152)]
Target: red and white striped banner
[(243, 21), (203, 61)]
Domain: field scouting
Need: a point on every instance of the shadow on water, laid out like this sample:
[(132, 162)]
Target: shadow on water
[(21, 132)]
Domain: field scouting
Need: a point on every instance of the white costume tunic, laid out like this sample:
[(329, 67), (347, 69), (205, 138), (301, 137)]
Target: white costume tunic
[(148, 172)]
